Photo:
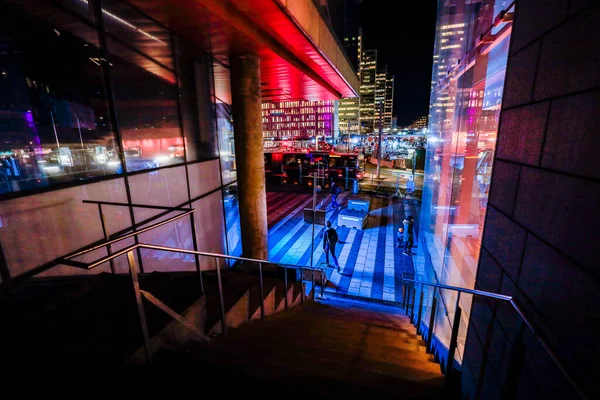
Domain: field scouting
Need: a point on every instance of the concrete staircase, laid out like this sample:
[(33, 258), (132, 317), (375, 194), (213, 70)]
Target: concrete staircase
[(92, 321), (330, 348)]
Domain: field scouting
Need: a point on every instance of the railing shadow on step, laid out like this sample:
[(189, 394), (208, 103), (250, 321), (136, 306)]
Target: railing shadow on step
[(304, 272), (517, 358)]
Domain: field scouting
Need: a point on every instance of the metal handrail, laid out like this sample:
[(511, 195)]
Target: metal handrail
[(463, 290), (532, 326), (149, 206), (127, 236), (133, 267)]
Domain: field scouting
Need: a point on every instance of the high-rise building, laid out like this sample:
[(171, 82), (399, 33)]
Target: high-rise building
[(452, 41), (368, 77), (348, 115), (419, 123), (353, 47), (389, 101), (384, 93)]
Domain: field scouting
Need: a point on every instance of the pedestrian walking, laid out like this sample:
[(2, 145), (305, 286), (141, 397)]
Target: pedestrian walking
[(335, 191), (408, 235), (330, 239)]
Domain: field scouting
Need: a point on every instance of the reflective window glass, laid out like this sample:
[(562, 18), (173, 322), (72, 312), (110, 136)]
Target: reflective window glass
[(232, 220), (225, 122), (54, 121), (196, 101), (463, 123), (127, 25), (147, 112)]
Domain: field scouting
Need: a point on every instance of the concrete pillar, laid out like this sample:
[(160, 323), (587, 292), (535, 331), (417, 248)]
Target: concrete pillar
[(247, 127)]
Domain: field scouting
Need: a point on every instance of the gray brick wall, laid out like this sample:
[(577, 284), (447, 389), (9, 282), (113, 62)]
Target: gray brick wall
[(541, 241)]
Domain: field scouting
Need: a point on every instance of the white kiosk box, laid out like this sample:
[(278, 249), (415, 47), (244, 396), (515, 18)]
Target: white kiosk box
[(356, 214)]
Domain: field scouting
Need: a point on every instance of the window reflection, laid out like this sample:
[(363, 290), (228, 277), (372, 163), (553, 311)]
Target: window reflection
[(196, 101), (226, 143), (54, 122), (465, 105), (146, 105), (232, 220), (224, 122)]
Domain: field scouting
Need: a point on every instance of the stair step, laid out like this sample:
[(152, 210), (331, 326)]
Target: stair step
[(269, 378), (375, 375), (345, 319), (359, 337), (330, 348)]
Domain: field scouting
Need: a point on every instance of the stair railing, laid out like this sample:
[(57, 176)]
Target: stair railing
[(135, 268), (517, 357)]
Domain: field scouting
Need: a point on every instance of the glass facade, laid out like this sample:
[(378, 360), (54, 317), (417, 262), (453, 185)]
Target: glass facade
[(471, 50), (95, 89), (54, 119), (100, 102)]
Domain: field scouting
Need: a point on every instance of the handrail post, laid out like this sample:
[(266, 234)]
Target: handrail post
[(105, 233), (431, 322), (262, 293), (312, 279), (418, 324), (453, 341), (221, 301), (405, 299), (412, 305), (140, 305), (301, 285), (196, 256), (285, 282), (323, 272)]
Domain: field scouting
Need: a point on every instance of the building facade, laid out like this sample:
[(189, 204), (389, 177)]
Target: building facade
[(349, 109), (419, 123), (99, 101), (544, 185), (463, 127), (368, 83), (384, 94)]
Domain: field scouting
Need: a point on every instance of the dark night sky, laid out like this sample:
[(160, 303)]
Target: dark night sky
[(404, 41)]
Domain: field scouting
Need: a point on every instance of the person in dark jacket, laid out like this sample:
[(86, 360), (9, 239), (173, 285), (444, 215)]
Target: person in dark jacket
[(408, 235), (330, 239), (335, 191)]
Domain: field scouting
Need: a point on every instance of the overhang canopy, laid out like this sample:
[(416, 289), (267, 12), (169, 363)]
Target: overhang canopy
[(300, 57)]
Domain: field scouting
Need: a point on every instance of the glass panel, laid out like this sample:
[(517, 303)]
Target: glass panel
[(232, 220), (196, 99), (203, 177), (164, 187), (226, 142), (210, 229), (225, 122), (174, 234), (131, 27), (146, 105), (466, 98), (54, 124), (60, 223)]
